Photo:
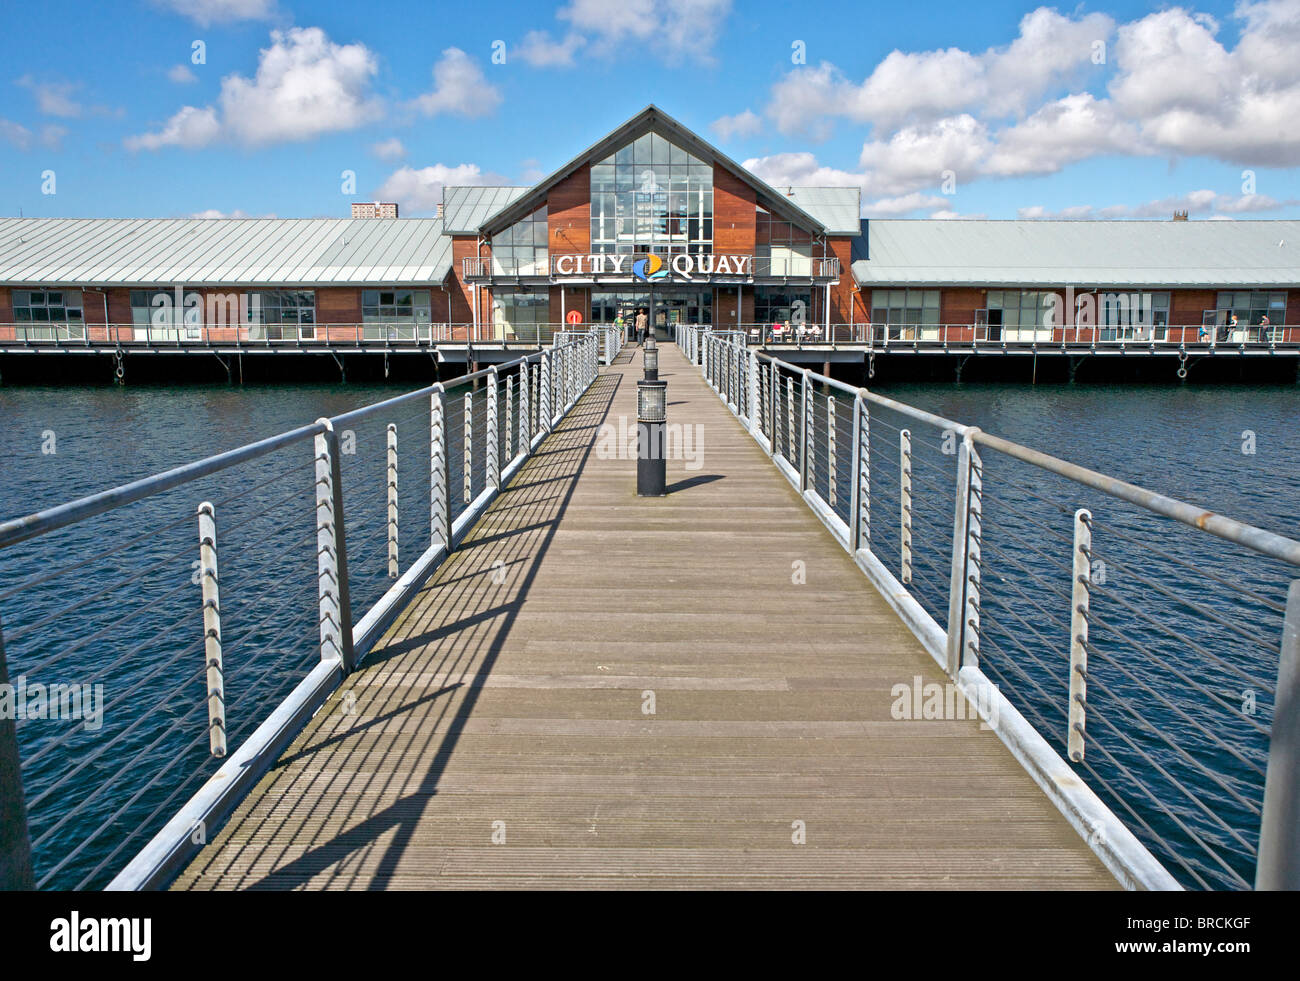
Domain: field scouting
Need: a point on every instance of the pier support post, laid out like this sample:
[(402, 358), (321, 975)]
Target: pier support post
[(491, 447), (1080, 584), (332, 552), (439, 498), (1279, 830), (905, 505), (860, 504), (15, 842), (210, 583), (467, 471), (964, 587), (393, 564)]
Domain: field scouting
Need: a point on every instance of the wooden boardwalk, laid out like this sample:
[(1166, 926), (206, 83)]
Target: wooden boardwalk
[(498, 737)]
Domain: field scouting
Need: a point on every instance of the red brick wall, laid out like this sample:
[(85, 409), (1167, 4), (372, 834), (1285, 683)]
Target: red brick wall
[(842, 291), (462, 304)]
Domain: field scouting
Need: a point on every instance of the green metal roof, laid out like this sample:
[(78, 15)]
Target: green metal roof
[(838, 208), (1178, 254), (222, 251), (465, 209)]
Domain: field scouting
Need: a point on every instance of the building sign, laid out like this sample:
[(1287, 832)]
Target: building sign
[(680, 267)]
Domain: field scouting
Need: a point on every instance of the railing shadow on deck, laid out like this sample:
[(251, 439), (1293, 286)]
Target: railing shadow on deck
[(437, 651)]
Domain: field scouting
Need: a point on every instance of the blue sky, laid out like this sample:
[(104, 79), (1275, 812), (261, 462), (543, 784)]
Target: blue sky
[(951, 110)]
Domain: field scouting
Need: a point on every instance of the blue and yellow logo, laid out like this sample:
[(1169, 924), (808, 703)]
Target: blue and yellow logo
[(649, 268)]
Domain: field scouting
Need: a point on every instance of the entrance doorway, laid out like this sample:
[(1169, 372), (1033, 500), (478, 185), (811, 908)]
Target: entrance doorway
[(671, 308)]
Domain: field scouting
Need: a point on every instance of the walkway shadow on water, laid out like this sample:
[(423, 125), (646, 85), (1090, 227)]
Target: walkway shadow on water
[(443, 646)]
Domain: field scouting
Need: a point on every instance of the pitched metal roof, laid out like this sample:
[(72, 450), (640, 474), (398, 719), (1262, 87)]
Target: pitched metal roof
[(465, 209), (838, 208), (649, 118), (1187, 254), (222, 251)]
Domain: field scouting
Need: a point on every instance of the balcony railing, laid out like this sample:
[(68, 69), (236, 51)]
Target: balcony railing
[(968, 336), (755, 267)]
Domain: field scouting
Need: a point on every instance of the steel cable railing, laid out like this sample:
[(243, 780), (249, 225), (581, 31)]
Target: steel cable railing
[(163, 651), (1136, 634)]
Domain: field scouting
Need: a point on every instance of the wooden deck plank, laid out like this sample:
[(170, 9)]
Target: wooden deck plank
[(509, 697)]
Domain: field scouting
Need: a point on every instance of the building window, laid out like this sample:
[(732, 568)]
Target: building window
[(281, 315), (777, 305), (520, 314), (154, 315), (652, 196), (1132, 316), (520, 250), (1020, 315), (903, 312), (1251, 307), (395, 315), (782, 248), (49, 315)]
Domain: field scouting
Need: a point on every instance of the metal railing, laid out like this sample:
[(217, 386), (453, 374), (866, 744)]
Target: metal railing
[(191, 621), (1153, 644), (931, 337), (803, 268), (254, 337)]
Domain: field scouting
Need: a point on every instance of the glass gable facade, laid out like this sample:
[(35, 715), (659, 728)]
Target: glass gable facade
[(520, 250), (652, 196)]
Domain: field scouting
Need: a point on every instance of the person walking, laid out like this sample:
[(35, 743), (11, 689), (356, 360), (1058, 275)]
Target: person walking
[(642, 321), (1263, 329)]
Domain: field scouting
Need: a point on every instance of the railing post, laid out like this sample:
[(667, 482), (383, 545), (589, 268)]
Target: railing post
[(211, 592), (491, 448), (393, 567), (467, 471), (755, 404), (860, 523), (805, 429), (544, 400), (510, 418), (525, 413), (331, 552), (830, 449), (789, 417), (15, 841), (963, 593), (1080, 584), (905, 503), (439, 498), (1278, 865)]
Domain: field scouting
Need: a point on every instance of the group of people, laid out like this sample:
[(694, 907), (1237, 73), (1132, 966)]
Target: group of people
[(640, 324), (1223, 332)]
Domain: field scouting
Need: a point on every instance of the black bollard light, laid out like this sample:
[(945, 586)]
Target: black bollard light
[(651, 415), (650, 361)]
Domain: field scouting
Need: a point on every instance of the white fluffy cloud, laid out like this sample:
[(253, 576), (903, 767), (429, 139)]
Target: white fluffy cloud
[(208, 12), (741, 125), (459, 87), (678, 31), (540, 50), (305, 85), (20, 137), (389, 149), (1036, 106), (420, 190), (1205, 202), (915, 87), (181, 75)]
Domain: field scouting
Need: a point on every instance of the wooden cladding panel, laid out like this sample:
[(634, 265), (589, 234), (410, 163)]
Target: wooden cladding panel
[(568, 214)]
